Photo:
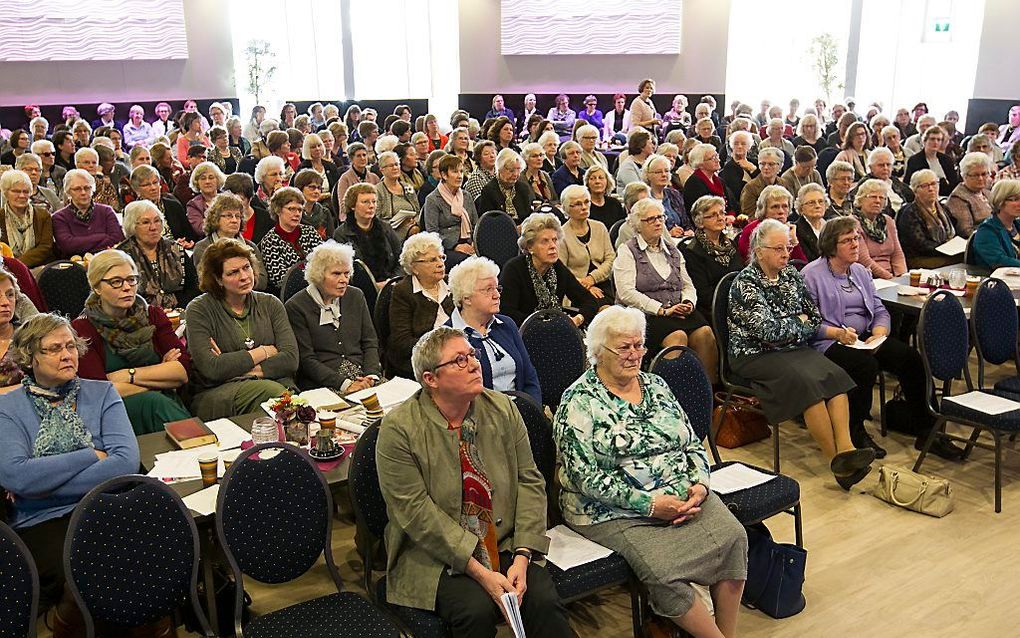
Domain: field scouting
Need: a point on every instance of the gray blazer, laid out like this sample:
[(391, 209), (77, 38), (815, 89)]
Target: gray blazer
[(439, 218), (322, 347), (261, 277)]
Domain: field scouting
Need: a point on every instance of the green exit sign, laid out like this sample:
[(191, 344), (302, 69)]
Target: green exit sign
[(941, 26)]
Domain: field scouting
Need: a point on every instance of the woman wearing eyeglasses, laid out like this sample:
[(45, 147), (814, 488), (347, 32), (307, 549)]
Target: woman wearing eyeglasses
[(496, 339), (315, 214), (712, 254), (290, 241), (852, 312), (132, 344), (881, 252), (167, 277), (374, 240), (968, 203), (223, 219)]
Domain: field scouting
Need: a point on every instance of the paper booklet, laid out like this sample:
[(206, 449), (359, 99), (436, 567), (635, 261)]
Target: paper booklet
[(513, 613), (861, 345), (984, 402), (954, 246), (401, 216)]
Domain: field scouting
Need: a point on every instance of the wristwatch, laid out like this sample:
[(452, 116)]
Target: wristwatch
[(523, 552), (131, 371)]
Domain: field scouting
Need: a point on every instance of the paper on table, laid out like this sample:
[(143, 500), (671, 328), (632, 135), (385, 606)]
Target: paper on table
[(1009, 275), (954, 246), (513, 613), (736, 477), (228, 433), (203, 501), (861, 345), (911, 291), (884, 283), (984, 402), (182, 464), (393, 392), (568, 549)]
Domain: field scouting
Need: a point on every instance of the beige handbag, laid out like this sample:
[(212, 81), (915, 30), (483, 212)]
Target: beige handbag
[(925, 494)]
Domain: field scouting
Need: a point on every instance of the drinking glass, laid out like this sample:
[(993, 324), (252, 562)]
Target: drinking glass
[(958, 279), (264, 430)]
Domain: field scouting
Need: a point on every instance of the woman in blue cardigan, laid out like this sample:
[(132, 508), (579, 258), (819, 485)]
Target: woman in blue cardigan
[(506, 365), (996, 242)]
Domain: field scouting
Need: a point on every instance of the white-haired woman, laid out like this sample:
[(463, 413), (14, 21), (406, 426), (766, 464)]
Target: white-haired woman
[(771, 319), (421, 301), (588, 137), (336, 340), (968, 203), (880, 250), (739, 169), (925, 224), (537, 279), (585, 248), (605, 207), (206, 181), (650, 275), (880, 167), (811, 206), (226, 157), (166, 275), (269, 177), (506, 366), (396, 200), (891, 139), (25, 227), (657, 173), (535, 177), (773, 138), (712, 254), (87, 159), (37, 170), (774, 202), (84, 226), (38, 127), (505, 192), (770, 161), (550, 143), (996, 239), (613, 415), (840, 178), (315, 156)]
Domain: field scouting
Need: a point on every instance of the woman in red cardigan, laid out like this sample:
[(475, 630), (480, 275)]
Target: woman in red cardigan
[(132, 344)]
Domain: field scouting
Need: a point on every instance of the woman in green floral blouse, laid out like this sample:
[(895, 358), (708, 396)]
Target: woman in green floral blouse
[(635, 478)]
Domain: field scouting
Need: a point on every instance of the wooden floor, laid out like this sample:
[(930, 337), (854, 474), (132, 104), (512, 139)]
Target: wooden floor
[(872, 569)]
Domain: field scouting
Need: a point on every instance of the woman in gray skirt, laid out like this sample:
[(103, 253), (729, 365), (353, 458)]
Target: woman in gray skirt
[(635, 478), (771, 318)]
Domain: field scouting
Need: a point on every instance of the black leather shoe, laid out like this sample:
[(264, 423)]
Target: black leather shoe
[(846, 482), (867, 441), (941, 448), (847, 463)]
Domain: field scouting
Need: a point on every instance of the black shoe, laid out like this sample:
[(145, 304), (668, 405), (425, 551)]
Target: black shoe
[(864, 440), (850, 462), (941, 448), (846, 482)]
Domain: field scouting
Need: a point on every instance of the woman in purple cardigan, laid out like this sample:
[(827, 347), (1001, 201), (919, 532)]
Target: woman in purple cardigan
[(84, 226), (852, 312)]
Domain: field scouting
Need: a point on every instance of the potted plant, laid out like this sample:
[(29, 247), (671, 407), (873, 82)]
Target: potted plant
[(293, 414)]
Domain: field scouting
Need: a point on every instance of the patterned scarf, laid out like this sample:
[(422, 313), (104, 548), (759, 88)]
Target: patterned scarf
[(508, 194), (84, 215), (476, 504), (20, 230), (159, 282), (875, 230), (722, 252), (317, 219), (61, 429), (545, 286), (130, 336)]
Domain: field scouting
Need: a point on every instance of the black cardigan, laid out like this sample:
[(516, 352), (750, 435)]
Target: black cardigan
[(918, 161), (491, 198), (705, 273), (519, 299), (177, 220), (807, 239), (411, 316), (732, 175)]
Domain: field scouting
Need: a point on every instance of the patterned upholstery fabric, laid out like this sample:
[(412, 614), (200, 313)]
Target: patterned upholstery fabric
[(363, 481), (419, 622), (763, 501), (293, 281), (131, 552), (994, 318), (363, 278), (585, 580), (20, 586), (944, 335), (1008, 421), (65, 287), (341, 614), (556, 350), (496, 237)]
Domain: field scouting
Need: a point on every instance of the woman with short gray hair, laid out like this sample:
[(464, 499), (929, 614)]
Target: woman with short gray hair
[(26, 228), (770, 161), (166, 276), (925, 224), (968, 203), (880, 249), (84, 226), (334, 353), (657, 173), (585, 248), (774, 202), (32, 165), (995, 240), (812, 205), (421, 301), (712, 254), (705, 180)]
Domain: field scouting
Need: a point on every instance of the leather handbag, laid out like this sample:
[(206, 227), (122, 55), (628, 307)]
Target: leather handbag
[(775, 574), (742, 423), (916, 492)]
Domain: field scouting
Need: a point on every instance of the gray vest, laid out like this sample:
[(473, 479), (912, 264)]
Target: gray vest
[(650, 283)]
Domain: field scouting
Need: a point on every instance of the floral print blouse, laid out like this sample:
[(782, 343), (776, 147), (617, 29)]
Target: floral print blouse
[(763, 315), (616, 456)]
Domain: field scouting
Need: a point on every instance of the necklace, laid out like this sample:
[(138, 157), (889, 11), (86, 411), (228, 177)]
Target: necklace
[(244, 327)]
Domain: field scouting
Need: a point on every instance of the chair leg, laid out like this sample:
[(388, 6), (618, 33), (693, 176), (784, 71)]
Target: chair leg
[(775, 448), (637, 603), (998, 471), (716, 424), (798, 525), (939, 424), (881, 398), (970, 444)]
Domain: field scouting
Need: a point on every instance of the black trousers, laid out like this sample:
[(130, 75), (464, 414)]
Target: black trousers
[(893, 356), (471, 612), (45, 541)]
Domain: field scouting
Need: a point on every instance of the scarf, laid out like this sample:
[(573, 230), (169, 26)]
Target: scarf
[(330, 314), (722, 252), (476, 504), (372, 247), (545, 286), (714, 183), (20, 230), (159, 282), (317, 219), (61, 429), (456, 202), (875, 230), (508, 196), (84, 216), (538, 186), (130, 336)]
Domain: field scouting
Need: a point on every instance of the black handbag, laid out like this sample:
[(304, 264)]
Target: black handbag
[(775, 574)]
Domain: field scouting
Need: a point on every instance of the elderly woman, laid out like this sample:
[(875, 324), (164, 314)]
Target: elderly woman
[(373, 239), (774, 202), (771, 319), (712, 254), (811, 207), (397, 202), (891, 140), (460, 146), (420, 302), (105, 193), (60, 436), (880, 167), (226, 157), (613, 415), (925, 224), (146, 184), (464, 498), (588, 136), (206, 181), (448, 211), (550, 143), (770, 160), (605, 207), (25, 227), (132, 344), (242, 346), (269, 174), (650, 275), (657, 172), (880, 250), (290, 241), (333, 327), (840, 178), (538, 280), (84, 226), (167, 276), (356, 174), (505, 192), (931, 156), (496, 339), (851, 312), (315, 213), (534, 176), (773, 138), (570, 172), (996, 239), (738, 171), (968, 203), (585, 248), (640, 146), (223, 219), (257, 221), (236, 140), (33, 166)]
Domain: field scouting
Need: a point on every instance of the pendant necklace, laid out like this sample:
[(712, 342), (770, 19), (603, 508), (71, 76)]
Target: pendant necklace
[(244, 329)]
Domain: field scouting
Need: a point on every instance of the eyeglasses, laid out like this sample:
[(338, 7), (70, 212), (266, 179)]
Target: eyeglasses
[(231, 216), (461, 360), (782, 249), (314, 187), (628, 352), (654, 218), (849, 241), (490, 291), (431, 260), (772, 164), (294, 208), (118, 282), (56, 350), (46, 154)]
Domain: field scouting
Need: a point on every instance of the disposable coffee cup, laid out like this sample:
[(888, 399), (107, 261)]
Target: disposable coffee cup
[(208, 466)]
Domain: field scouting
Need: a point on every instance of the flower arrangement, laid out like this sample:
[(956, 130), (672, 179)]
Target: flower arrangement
[(294, 414)]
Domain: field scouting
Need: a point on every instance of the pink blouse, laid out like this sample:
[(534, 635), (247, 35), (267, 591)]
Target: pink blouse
[(884, 260)]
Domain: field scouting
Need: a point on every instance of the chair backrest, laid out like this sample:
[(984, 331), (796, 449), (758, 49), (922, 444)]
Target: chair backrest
[(19, 582), (993, 320), (720, 311), (682, 371), (496, 237), (543, 448), (381, 315), (65, 287), (363, 481), (131, 553), (557, 351), (614, 231), (362, 278), (969, 257), (293, 281), (943, 336)]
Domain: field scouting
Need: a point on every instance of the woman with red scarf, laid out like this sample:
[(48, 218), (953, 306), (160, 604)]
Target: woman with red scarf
[(704, 159)]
